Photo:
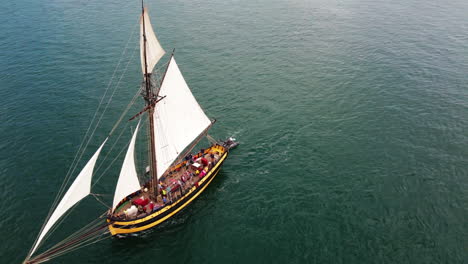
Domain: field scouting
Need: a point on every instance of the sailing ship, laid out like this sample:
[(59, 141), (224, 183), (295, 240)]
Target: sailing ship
[(176, 124)]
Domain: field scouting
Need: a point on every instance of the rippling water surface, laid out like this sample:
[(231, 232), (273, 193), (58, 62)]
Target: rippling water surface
[(352, 118)]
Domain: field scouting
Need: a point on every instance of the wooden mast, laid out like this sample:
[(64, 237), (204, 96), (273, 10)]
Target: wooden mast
[(149, 103)]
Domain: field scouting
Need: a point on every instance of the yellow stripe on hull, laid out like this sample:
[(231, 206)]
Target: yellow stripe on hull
[(115, 230)]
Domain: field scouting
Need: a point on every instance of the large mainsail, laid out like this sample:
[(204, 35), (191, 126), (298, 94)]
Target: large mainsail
[(178, 118), (128, 179), (80, 188), (154, 51)]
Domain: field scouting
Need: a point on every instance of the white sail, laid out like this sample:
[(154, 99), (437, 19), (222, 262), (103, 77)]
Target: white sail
[(128, 179), (178, 118), (154, 51), (80, 188)]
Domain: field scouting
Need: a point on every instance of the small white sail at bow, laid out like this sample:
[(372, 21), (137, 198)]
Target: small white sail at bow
[(154, 51), (80, 188), (178, 118), (128, 179)]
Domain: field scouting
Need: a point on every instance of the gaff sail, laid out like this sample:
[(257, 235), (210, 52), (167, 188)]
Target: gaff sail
[(80, 188), (128, 179), (154, 51), (178, 118)]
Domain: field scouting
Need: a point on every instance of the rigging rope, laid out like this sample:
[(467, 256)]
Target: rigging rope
[(50, 252), (85, 240), (118, 122), (81, 245), (112, 162), (81, 149), (90, 225), (99, 200), (211, 139), (66, 244), (124, 113), (107, 155)]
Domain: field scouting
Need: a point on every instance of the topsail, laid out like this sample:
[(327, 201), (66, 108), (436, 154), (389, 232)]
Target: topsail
[(154, 51)]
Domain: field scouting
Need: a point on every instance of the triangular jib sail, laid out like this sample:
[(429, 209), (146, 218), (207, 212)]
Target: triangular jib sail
[(128, 179), (178, 118), (80, 188), (153, 50)]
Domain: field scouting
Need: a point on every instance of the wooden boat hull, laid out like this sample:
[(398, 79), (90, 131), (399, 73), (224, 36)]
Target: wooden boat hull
[(168, 211)]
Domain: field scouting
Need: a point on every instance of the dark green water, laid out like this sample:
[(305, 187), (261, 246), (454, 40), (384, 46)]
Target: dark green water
[(352, 118)]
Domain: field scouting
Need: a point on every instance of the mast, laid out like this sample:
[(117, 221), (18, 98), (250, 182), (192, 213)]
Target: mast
[(149, 103)]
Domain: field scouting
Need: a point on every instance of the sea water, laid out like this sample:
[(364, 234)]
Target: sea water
[(352, 119)]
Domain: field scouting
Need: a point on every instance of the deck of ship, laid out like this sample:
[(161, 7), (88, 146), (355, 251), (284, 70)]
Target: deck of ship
[(173, 183)]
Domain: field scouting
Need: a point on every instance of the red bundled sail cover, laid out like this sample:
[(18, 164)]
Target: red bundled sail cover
[(141, 201)]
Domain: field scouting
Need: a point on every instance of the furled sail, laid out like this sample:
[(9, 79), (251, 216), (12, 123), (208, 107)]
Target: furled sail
[(80, 188), (154, 51), (178, 118), (128, 179)]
